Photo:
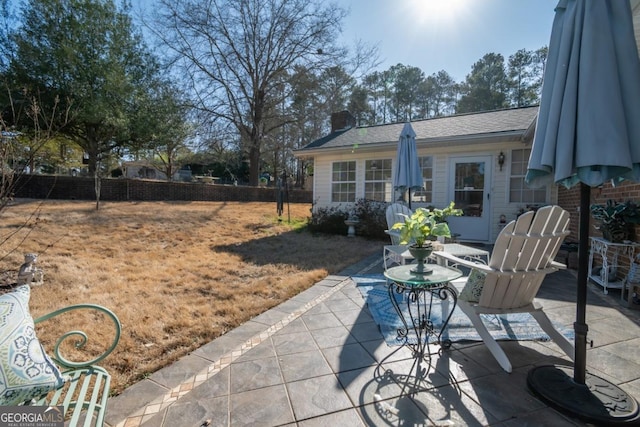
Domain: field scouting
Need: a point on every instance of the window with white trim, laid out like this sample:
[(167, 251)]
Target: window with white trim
[(377, 180), (343, 182), (425, 194), (519, 192)]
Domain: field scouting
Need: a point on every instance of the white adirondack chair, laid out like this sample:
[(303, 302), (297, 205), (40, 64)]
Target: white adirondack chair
[(394, 214), (522, 256), (393, 253)]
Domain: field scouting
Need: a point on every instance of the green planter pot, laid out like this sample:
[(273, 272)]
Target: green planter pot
[(421, 253)]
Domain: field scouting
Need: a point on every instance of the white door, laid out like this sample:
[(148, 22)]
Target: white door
[(469, 188)]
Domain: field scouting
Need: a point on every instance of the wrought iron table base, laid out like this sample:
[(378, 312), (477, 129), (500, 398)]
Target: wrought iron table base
[(417, 328)]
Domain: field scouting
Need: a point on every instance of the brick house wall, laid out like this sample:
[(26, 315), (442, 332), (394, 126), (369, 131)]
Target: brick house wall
[(569, 199)]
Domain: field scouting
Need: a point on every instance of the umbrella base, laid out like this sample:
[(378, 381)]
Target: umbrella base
[(597, 401)]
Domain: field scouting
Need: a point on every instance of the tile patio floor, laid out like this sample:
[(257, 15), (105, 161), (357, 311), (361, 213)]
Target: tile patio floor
[(311, 361)]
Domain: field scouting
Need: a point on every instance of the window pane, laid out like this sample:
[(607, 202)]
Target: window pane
[(515, 183), (426, 162), (519, 192), (375, 191), (424, 195), (517, 155), (351, 192), (516, 168), (343, 185), (377, 180)]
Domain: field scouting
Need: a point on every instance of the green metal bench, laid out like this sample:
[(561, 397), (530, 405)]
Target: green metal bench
[(86, 389)]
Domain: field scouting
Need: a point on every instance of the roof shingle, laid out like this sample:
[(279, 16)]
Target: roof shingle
[(441, 128)]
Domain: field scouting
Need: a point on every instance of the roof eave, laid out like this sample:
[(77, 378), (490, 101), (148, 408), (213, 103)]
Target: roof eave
[(527, 136), (460, 140), (303, 153)]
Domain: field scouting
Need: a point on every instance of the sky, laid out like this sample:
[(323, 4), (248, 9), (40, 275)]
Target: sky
[(448, 35)]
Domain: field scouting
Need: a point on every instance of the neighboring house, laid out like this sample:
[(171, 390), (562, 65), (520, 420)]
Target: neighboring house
[(145, 169), (477, 160), (142, 169)]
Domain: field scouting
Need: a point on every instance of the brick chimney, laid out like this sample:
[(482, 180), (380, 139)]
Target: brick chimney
[(342, 120)]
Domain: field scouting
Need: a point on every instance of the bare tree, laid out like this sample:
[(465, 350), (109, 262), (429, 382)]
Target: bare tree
[(25, 128), (235, 53)]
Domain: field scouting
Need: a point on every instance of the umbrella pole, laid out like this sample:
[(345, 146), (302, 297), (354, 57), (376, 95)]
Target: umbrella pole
[(580, 327), (584, 396)]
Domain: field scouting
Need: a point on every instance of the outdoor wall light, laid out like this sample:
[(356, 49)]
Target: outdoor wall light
[(501, 159)]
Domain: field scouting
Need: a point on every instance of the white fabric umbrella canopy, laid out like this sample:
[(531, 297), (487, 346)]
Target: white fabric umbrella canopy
[(587, 132), (408, 175)]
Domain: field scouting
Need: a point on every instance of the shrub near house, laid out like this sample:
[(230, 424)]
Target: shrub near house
[(370, 214)]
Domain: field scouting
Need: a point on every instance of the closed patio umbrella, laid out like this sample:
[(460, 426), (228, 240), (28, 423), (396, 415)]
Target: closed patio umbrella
[(408, 175), (587, 133)]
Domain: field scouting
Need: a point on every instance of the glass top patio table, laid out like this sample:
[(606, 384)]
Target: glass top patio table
[(439, 276), (400, 254)]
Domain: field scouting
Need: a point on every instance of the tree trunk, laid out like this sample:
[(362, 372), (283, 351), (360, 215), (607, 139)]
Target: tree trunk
[(92, 150), (300, 178), (254, 165), (169, 170), (98, 188)]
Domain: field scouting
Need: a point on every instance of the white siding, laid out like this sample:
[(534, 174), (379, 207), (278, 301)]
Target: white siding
[(499, 186), (323, 167)]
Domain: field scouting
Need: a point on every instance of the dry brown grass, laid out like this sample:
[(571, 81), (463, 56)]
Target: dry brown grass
[(177, 274)]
